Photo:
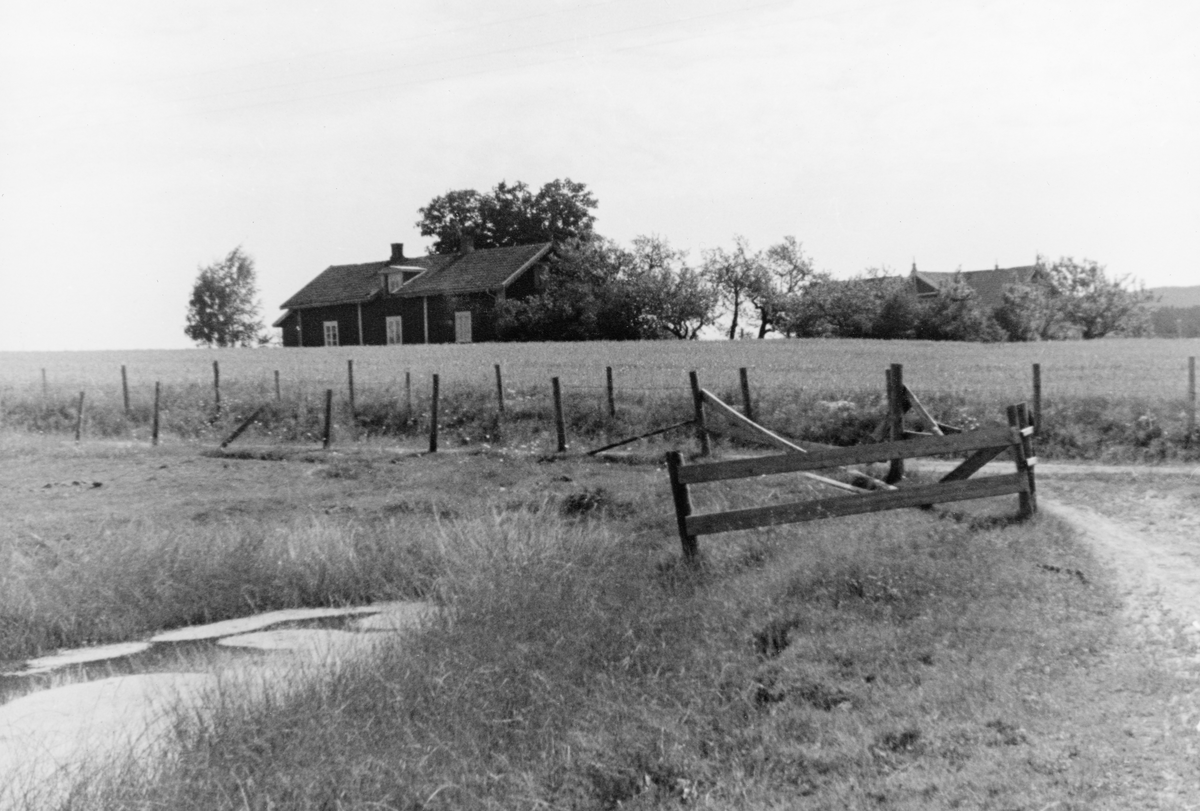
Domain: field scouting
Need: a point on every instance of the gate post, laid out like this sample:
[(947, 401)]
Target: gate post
[(895, 395), (683, 505)]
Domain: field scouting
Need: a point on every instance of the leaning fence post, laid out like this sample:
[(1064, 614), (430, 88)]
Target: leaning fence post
[(79, 418), (895, 395), (125, 390), (433, 417), (499, 391), (683, 505), (1037, 398), (560, 425), (217, 387), (327, 435), (45, 388), (237, 432), (612, 402), (698, 407), (747, 407), (154, 420), (278, 395), (350, 383)]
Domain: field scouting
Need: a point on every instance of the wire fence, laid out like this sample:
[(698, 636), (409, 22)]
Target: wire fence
[(612, 373)]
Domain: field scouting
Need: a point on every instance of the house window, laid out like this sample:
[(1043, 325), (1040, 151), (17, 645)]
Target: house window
[(395, 334), (331, 333), (462, 327)]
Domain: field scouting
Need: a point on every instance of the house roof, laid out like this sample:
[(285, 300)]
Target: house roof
[(445, 274), (475, 271), (988, 284)]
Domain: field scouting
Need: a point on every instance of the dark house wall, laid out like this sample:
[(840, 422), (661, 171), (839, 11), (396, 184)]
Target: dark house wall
[(288, 330), (314, 318), (375, 316)]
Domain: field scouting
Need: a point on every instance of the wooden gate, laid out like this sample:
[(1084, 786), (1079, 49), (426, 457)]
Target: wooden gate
[(982, 446)]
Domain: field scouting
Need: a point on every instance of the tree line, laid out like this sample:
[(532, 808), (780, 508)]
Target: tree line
[(600, 290)]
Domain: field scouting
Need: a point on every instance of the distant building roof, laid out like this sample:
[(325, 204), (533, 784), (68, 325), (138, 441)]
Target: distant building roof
[(445, 274), (989, 285)]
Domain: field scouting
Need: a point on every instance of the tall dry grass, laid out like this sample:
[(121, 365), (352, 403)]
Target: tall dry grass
[(126, 579), (575, 667)]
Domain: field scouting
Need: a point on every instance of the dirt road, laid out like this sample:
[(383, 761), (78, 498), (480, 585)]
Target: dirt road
[(1144, 523)]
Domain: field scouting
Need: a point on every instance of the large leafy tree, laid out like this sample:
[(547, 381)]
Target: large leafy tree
[(1094, 304), (738, 276), (598, 290), (955, 314), (1032, 312), (786, 271), (764, 284), (869, 306), (224, 309), (509, 214), (672, 299)]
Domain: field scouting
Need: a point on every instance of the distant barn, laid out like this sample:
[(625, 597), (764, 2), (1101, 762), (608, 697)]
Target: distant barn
[(989, 285), (435, 299)]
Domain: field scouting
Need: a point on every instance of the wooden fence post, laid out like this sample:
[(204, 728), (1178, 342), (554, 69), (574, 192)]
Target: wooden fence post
[(350, 383), (327, 436), (278, 395), (407, 397), (612, 401), (79, 418), (433, 417), (683, 505), (45, 388), (217, 387), (1191, 398), (499, 391), (747, 407), (560, 425), (895, 395), (125, 390), (154, 421), (1037, 398), (698, 407)]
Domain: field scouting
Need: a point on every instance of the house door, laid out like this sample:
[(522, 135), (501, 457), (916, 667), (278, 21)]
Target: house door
[(395, 334), (462, 327)]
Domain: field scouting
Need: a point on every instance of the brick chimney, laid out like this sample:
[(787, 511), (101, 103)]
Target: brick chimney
[(466, 242), (397, 253)]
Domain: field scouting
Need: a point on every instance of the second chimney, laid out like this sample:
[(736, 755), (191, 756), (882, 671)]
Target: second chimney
[(397, 252)]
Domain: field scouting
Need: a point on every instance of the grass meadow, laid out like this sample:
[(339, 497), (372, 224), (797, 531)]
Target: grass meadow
[(915, 659), (1108, 399), (911, 660)]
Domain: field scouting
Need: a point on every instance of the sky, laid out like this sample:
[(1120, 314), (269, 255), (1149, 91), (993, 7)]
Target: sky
[(142, 140)]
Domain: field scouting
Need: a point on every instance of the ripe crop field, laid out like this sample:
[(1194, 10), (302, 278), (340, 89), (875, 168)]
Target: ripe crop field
[(1153, 369)]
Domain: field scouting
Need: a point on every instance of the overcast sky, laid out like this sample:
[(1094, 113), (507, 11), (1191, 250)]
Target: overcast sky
[(140, 139)]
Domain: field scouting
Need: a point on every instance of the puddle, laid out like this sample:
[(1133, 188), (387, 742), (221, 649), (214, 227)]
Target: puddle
[(243, 625), (313, 631)]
